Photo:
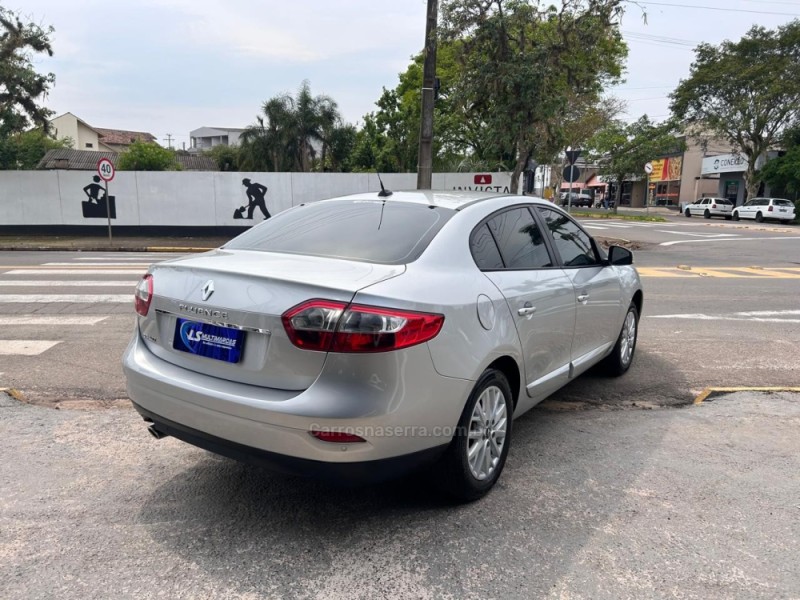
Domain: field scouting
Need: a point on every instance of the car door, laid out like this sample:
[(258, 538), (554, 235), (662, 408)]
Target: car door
[(515, 256), (598, 292), (748, 211), (700, 207)]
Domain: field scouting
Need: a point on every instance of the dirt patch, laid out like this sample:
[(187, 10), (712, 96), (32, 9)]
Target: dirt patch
[(606, 242)]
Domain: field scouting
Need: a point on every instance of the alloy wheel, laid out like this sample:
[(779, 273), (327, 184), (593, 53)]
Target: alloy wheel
[(487, 433), (628, 339)]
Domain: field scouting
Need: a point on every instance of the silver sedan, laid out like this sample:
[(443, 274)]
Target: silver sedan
[(361, 337)]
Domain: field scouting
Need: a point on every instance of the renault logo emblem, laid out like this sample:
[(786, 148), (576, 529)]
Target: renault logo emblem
[(208, 289)]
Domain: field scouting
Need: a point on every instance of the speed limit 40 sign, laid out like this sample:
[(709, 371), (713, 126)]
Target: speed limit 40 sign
[(105, 169)]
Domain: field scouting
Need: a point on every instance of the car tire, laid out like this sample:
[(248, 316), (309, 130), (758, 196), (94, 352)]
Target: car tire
[(759, 217), (736, 216), (461, 473), (706, 214), (687, 213), (728, 217), (621, 357), (786, 221)]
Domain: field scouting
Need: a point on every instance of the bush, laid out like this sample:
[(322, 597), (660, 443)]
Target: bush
[(147, 156)]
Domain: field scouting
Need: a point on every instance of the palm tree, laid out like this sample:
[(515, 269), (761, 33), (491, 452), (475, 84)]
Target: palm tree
[(286, 135)]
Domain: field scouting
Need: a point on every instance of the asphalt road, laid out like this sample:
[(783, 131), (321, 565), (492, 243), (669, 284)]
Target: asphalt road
[(614, 488)]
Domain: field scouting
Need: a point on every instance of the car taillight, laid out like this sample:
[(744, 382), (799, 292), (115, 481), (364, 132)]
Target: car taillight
[(770, 208), (331, 326), (713, 206), (143, 295)]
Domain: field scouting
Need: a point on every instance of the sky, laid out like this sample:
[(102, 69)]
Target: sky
[(171, 66)]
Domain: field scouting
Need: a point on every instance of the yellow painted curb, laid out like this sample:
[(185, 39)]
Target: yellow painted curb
[(176, 249), (15, 394), (716, 391)]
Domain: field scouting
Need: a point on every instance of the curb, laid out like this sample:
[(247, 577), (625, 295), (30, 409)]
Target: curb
[(711, 392)]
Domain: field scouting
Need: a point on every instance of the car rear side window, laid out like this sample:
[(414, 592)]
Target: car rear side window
[(572, 243), (484, 249), (519, 239), (374, 231)]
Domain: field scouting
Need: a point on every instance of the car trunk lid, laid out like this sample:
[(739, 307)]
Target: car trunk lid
[(248, 293)]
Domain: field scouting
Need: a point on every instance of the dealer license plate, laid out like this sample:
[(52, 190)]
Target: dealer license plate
[(211, 341)]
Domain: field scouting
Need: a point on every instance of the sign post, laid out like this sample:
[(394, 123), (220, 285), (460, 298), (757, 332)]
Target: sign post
[(574, 173), (648, 169), (105, 169)]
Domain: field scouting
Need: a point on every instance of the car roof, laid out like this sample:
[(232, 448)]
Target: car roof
[(453, 199)]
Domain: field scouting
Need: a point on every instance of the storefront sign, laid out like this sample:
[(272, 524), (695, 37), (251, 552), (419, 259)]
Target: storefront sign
[(667, 169), (725, 163)]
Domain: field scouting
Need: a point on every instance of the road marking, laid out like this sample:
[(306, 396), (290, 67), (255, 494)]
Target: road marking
[(25, 347), (737, 272), (65, 283), (138, 257), (768, 272), (710, 392), (734, 317), (700, 235), (71, 298), (738, 239), (767, 313), (139, 272), (50, 320), (144, 265)]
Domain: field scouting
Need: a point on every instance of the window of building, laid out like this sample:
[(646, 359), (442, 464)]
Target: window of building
[(89, 145)]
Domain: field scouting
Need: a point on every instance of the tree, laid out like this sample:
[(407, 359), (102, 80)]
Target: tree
[(783, 173), (522, 64), (21, 87), (226, 157), (286, 136), (147, 156), (622, 149), (746, 91), (25, 150)]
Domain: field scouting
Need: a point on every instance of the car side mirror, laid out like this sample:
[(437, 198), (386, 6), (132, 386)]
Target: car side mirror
[(619, 256)]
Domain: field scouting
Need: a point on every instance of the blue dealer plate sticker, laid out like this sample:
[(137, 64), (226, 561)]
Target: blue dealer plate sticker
[(211, 341)]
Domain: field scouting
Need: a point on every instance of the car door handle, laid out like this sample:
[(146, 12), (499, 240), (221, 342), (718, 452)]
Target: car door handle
[(526, 311), (583, 297)]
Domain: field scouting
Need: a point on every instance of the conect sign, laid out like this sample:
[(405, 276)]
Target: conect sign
[(725, 163)]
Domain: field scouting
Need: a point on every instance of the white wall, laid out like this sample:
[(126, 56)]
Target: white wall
[(195, 198)]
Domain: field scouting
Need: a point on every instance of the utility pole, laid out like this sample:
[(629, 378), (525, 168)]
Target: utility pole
[(425, 158), (169, 141)]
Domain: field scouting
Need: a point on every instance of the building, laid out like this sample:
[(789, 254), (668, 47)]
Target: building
[(95, 139), (725, 173), (206, 138), (119, 139), (86, 160)]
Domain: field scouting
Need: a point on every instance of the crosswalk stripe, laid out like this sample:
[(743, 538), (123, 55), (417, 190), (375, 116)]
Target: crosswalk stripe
[(65, 283), (137, 271), (50, 320), (25, 347), (71, 298), (98, 264)]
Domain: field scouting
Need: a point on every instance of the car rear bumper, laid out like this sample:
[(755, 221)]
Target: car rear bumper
[(395, 401), (371, 471)]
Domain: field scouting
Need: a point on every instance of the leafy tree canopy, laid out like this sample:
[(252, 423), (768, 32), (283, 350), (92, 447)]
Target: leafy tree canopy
[(622, 149), (747, 91), (147, 156), (524, 62), (291, 133), (23, 151), (783, 173), (21, 88)]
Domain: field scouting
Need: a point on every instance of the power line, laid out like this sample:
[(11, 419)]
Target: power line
[(741, 10)]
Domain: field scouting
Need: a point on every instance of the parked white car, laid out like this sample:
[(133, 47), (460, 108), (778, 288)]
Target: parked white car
[(709, 207), (766, 208)]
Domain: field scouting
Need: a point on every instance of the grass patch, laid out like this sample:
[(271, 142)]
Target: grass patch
[(624, 217)]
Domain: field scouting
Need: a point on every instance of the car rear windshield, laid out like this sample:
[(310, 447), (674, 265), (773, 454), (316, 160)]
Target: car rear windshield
[(722, 201), (376, 231), (782, 203)]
